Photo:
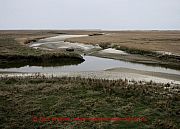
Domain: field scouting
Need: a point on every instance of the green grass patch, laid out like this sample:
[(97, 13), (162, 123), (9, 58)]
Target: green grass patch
[(22, 98)]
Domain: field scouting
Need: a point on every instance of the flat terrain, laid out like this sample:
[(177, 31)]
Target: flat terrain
[(14, 42), (147, 47), (98, 94), (168, 41), (23, 98)]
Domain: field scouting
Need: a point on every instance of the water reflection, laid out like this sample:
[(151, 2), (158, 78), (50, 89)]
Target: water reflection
[(18, 64), (91, 63)]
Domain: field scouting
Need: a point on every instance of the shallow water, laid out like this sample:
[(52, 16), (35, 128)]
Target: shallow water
[(91, 63)]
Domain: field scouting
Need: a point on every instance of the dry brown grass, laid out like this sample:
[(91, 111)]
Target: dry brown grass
[(142, 40), (14, 51)]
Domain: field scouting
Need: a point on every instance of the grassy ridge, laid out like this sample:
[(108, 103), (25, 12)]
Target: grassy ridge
[(21, 98)]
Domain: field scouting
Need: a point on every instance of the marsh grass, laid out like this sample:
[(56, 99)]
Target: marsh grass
[(22, 98), (13, 54), (144, 43), (162, 57)]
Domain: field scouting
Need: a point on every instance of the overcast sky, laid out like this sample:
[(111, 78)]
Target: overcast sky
[(90, 14)]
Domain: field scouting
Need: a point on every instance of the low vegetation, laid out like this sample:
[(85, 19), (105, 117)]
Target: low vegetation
[(147, 43), (13, 51), (22, 98)]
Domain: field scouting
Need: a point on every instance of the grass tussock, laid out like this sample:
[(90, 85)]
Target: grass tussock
[(22, 98)]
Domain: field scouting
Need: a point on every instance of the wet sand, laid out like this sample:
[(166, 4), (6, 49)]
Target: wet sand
[(57, 44), (133, 76), (147, 73)]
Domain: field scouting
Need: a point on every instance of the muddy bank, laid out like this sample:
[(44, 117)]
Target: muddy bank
[(136, 58), (165, 58), (148, 73), (131, 75)]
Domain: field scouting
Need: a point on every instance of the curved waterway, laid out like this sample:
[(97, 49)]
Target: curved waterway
[(91, 63)]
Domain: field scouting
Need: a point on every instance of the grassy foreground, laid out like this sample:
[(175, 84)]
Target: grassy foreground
[(21, 98)]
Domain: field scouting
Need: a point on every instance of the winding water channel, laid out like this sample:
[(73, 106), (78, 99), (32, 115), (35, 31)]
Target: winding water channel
[(91, 63)]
